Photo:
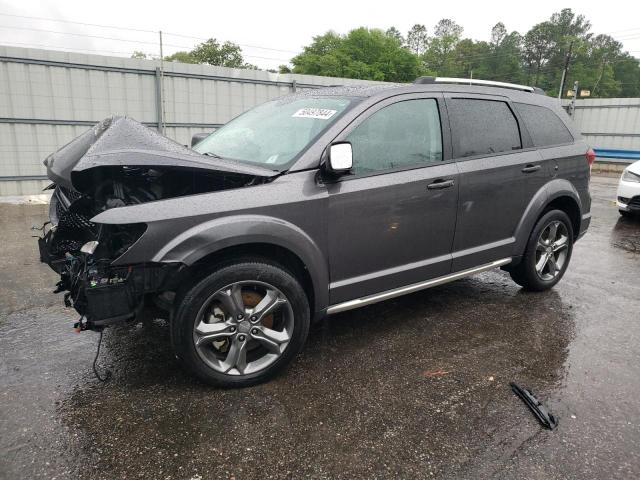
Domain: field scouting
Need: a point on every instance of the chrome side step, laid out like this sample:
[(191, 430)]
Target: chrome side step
[(414, 287)]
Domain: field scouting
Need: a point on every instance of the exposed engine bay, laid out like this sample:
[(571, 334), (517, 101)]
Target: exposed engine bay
[(116, 164)]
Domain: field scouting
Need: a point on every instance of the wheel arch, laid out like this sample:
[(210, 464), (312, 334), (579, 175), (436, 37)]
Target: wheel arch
[(267, 252), (208, 245), (568, 205), (558, 194)]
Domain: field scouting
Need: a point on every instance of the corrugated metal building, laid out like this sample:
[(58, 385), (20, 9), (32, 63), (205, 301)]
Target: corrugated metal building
[(610, 122), (49, 97)]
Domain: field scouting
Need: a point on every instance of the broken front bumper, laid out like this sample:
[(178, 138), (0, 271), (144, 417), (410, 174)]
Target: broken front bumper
[(101, 293)]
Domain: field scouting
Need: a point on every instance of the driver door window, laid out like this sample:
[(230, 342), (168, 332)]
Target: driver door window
[(401, 135)]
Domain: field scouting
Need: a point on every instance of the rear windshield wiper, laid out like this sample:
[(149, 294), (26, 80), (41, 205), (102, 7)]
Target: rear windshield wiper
[(211, 154)]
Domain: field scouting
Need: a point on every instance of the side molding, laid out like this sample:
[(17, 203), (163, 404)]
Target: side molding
[(397, 292)]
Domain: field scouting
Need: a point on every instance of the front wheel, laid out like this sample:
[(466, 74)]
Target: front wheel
[(242, 324), (547, 254)]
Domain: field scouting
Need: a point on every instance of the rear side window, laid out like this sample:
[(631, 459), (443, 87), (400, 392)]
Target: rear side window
[(544, 126), (482, 127), (401, 135)]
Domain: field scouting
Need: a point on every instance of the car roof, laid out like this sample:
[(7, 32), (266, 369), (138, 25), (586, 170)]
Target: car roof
[(383, 90)]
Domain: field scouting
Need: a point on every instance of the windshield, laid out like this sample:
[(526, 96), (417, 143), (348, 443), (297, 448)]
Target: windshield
[(274, 133)]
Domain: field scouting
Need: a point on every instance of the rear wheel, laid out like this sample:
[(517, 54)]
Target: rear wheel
[(548, 253), (242, 324)]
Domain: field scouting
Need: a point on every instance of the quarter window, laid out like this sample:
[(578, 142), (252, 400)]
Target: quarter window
[(482, 127), (544, 126), (400, 135)]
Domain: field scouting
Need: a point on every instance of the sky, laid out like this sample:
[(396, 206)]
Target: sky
[(270, 33)]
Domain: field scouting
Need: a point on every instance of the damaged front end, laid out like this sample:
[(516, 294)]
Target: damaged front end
[(116, 164), (82, 253)]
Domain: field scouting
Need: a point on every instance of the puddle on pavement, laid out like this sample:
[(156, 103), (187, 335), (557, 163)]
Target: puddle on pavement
[(626, 234), (359, 383)]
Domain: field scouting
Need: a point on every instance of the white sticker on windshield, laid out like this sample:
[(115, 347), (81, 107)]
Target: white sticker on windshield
[(321, 113)]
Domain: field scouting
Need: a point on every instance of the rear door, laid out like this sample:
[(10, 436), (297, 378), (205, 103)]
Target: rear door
[(500, 172), (556, 145), (392, 222)]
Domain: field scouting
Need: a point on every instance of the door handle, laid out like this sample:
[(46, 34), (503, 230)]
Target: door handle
[(440, 184), (531, 168)]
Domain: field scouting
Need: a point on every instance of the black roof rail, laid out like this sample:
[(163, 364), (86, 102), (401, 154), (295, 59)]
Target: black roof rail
[(424, 80)]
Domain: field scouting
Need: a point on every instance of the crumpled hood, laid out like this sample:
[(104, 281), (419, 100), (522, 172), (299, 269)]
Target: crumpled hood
[(122, 141)]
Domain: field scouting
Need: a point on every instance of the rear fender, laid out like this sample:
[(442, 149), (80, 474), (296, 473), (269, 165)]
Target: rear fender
[(554, 189)]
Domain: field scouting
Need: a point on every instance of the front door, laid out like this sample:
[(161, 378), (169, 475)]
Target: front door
[(392, 222)]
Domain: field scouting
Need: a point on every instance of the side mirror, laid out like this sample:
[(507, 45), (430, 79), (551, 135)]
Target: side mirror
[(340, 159), (198, 137)]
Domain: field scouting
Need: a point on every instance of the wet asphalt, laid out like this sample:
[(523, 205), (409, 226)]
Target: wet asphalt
[(416, 387)]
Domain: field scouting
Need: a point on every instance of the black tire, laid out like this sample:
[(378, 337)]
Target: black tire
[(191, 302), (525, 273)]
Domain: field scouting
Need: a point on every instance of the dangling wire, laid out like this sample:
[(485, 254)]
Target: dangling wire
[(107, 375)]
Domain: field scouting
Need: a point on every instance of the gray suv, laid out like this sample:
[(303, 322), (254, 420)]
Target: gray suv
[(309, 205)]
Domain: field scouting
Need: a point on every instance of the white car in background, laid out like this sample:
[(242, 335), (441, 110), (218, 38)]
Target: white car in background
[(628, 200)]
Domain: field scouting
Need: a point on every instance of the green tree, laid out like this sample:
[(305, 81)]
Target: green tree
[(498, 34), (448, 28), (362, 53), (181, 57), (537, 47), (440, 55), (627, 72), (212, 52), (536, 58), (468, 59), (503, 63), (227, 54), (605, 50), (140, 55), (393, 32), (417, 39), (547, 44)]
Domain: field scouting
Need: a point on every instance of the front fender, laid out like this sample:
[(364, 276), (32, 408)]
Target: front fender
[(554, 189), (214, 235)]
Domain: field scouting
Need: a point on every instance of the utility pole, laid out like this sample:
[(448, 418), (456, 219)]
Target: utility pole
[(572, 105), (162, 110), (564, 71)]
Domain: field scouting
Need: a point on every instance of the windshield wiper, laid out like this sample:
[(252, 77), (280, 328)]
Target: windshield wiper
[(211, 154)]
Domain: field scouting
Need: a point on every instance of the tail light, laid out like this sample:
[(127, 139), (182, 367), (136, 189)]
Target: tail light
[(591, 156)]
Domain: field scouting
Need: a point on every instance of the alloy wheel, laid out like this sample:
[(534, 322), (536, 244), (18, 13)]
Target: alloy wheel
[(243, 328), (551, 250)]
